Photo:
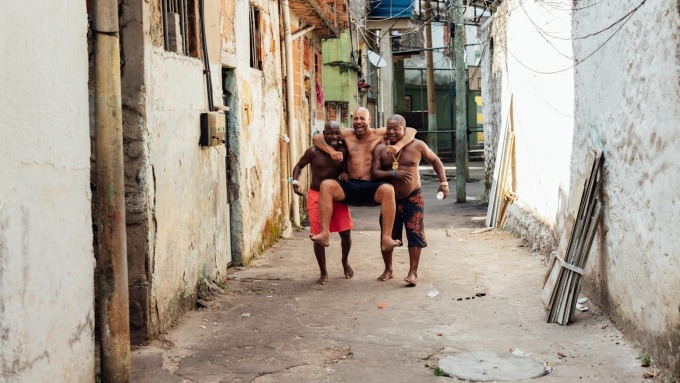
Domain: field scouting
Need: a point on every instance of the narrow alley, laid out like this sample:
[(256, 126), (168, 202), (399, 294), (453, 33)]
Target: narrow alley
[(478, 291), (154, 225)]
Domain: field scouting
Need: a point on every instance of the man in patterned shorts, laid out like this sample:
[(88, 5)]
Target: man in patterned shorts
[(401, 170)]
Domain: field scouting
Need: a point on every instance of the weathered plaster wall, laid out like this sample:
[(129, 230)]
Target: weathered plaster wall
[(46, 255), (532, 62), (627, 105), (189, 194), (178, 232), (258, 113), (138, 171)]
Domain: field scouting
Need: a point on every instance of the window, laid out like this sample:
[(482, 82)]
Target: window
[(255, 39), (179, 26)]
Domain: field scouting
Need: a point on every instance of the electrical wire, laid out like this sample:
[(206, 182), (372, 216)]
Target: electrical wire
[(547, 4), (543, 33), (590, 34), (629, 16)]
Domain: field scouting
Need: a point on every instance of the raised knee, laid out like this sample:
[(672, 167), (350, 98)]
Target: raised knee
[(386, 190), (327, 185)]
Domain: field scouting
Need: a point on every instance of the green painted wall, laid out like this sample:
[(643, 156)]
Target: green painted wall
[(340, 73)]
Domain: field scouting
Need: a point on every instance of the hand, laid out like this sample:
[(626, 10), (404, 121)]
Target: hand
[(393, 149), (404, 176), (344, 177), (444, 189), (298, 191), (337, 156)]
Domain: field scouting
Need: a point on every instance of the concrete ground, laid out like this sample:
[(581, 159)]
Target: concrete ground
[(477, 292)]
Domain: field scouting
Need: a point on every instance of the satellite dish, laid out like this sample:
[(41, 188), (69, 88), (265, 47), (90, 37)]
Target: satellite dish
[(375, 59)]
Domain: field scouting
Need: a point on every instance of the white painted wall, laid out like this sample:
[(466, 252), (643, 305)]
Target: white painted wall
[(46, 255), (541, 83), (621, 97), (627, 105), (532, 59)]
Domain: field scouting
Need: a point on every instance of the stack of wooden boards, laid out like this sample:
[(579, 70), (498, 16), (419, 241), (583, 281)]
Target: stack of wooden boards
[(502, 194), (565, 268)]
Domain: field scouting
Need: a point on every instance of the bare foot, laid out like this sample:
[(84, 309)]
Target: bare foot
[(411, 279), (387, 274), (349, 273), (322, 239), (387, 243), (322, 280)]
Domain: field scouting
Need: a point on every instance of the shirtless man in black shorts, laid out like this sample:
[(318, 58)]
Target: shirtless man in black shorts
[(360, 190), (401, 170)]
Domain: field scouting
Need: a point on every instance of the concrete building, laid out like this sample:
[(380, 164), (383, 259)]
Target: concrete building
[(46, 252), (191, 209), (604, 75)]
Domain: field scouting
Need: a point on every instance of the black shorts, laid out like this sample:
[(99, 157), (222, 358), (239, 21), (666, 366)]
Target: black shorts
[(360, 192)]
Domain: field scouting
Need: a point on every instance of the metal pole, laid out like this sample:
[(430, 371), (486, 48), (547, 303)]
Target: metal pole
[(461, 98), (114, 322), (431, 100), (290, 102)]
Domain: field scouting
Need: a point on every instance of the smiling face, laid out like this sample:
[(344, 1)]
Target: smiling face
[(361, 121), (395, 129), (331, 133)]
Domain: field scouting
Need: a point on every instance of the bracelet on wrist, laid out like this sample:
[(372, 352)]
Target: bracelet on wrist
[(443, 183), (295, 182)]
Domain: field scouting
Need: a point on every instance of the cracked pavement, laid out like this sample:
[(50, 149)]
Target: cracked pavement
[(273, 324)]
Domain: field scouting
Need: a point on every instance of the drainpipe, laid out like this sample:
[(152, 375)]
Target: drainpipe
[(114, 322), (290, 102)]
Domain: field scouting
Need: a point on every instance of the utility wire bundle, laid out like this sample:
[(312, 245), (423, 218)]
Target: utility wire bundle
[(563, 280)]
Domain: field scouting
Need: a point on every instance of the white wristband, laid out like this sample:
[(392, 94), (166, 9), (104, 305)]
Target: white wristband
[(295, 182)]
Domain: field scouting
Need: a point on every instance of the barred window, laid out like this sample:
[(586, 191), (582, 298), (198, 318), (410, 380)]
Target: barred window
[(179, 26), (255, 39)]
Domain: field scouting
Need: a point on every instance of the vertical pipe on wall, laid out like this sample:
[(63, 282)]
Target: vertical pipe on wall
[(461, 101), (290, 102), (431, 100), (114, 323)]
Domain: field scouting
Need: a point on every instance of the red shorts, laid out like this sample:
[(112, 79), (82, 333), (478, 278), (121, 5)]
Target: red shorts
[(340, 220)]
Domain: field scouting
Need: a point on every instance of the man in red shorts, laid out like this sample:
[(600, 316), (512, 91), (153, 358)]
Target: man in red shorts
[(324, 167)]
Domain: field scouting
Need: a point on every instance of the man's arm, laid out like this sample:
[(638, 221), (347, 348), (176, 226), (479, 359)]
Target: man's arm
[(376, 168), (304, 160), (409, 136), (344, 177), (321, 144), (438, 167)]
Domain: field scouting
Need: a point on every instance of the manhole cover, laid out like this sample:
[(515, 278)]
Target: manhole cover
[(488, 366)]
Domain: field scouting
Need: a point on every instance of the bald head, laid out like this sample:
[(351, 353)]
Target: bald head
[(362, 110), (331, 125), (397, 119)]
